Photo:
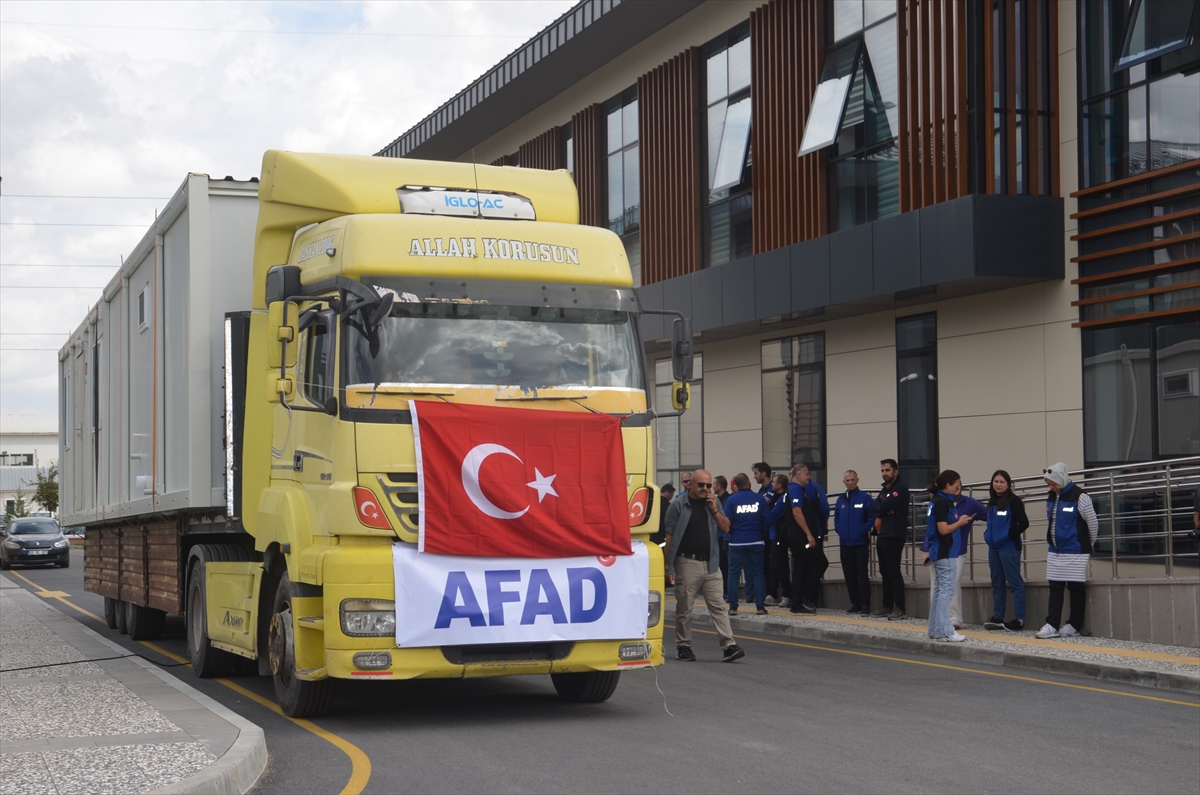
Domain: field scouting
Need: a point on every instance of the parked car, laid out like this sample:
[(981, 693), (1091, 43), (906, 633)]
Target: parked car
[(35, 541)]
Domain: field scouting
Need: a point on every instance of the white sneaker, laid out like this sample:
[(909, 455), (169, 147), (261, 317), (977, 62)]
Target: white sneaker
[(1047, 631), (956, 638), (786, 603), (1068, 631), (771, 600)]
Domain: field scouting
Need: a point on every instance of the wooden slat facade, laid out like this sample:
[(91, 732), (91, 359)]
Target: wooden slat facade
[(544, 151), (786, 51), (669, 128), (140, 564), (932, 72), (589, 164)]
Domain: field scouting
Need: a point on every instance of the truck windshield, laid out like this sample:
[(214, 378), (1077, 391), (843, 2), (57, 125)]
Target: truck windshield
[(482, 344)]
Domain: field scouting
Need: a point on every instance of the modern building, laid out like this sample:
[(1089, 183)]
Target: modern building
[(28, 447), (959, 233)]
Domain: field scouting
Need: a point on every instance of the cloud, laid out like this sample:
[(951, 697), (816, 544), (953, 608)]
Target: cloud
[(124, 99)]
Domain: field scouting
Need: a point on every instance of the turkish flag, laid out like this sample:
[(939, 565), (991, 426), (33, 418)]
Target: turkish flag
[(519, 483)]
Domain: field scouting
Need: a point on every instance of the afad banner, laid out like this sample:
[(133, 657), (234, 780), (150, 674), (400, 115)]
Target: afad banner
[(450, 600)]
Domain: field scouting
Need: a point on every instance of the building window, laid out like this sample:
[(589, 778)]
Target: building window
[(1141, 391), (793, 403), (1140, 99), (728, 232), (917, 398), (679, 440), (623, 183), (19, 459), (568, 148), (855, 114), (143, 308)]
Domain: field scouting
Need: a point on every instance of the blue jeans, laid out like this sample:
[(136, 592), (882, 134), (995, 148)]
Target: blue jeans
[(1006, 566), (749, 559), (943, 590)]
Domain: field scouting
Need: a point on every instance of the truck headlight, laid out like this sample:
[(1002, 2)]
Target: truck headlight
[(654, 609), (368, 617)]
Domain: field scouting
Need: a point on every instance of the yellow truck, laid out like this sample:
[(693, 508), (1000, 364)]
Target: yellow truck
[(238, 431)]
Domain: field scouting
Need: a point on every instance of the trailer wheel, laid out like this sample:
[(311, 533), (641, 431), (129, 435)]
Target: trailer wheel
[(586, 688), (110, 612), (145, 623), (122, 616), (207, 661), (297, 698)]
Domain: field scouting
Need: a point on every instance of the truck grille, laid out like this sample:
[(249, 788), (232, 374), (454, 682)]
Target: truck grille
[(503, 652)]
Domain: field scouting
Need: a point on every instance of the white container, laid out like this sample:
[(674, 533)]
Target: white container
[(141, 403)]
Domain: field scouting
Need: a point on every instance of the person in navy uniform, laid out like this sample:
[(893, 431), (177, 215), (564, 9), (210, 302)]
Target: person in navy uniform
[(1006, 521), (852, 521), (890, 511), (748, 530), (1071, 532), (943, 541), (805, 536)]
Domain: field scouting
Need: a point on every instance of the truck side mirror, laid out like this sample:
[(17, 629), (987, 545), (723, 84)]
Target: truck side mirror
[(681, 350), (282, 335)]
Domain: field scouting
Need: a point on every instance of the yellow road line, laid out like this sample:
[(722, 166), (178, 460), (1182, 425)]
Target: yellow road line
[(958, 668), (360, 763), (1007, 637)]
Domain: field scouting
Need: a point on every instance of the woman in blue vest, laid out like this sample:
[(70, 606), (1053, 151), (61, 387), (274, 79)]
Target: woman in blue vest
[(1071, 533), (1006, 521), (942, 538)]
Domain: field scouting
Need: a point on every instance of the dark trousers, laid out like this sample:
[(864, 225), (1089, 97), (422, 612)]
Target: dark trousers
[(778, 572), (854, 566), (1078, 598), (723, 562), (890, 551), (808, 567)]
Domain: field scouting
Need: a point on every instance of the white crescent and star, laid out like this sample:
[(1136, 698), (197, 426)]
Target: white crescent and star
[(543, 484)]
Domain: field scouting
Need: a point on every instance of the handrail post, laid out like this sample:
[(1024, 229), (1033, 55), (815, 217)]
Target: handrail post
[(1170, 524), (1112, 521)]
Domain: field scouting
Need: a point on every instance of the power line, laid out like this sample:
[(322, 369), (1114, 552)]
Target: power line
[(42, 223), (284, 32), (19, 350), (35, 333), (51, 265), (56, 196), (51, 287)]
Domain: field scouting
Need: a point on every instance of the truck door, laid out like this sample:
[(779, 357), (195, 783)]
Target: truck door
[(315, 406)]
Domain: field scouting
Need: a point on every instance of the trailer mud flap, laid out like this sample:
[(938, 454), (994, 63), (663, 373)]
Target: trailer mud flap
[(232, 595)]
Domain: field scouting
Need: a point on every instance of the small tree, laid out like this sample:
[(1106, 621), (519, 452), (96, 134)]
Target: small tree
[(45, 491), (17, 508)]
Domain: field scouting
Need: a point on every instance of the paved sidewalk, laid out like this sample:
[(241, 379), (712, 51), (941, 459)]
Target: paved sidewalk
[(117, 726), (1172, 668)]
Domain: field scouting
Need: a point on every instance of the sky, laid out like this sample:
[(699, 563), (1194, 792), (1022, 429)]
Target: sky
[(105, 107)]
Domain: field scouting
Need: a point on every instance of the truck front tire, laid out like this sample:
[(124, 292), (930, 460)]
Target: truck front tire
[(590, 687), (297, 698)]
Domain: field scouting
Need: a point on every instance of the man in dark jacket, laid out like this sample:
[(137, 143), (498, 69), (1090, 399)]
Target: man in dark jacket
[(890, 512), (852, 521)]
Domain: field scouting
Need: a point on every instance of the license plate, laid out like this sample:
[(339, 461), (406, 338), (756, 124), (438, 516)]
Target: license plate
[(39, 552)]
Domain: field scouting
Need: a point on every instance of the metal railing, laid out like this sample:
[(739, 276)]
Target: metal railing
[(1144, 511)]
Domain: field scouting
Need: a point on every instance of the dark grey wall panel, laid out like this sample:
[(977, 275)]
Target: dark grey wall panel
[(677, 295), (737, 291), (1019, 236), (773, 283), (897, 253), (810, 274), (947, 241), (706, 299), (851, 265), (651, 326)]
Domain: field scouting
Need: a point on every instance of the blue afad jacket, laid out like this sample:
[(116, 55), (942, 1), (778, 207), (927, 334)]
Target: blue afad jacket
[(852, 518), (1067, 533), (1005, 525), (940, 547), (748, 518)]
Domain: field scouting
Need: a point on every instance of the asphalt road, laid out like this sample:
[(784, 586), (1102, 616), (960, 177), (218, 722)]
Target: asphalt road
[(790, 717)]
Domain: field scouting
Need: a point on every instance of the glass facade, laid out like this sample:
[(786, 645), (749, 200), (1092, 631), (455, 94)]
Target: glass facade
[(623, 171), (917, 398), (793, 403), (1143, 116), (1141, 391), (855, 113), (679, 440), (727, 215)]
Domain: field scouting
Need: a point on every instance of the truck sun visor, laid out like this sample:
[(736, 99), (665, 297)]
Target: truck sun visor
[(469, 203)]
